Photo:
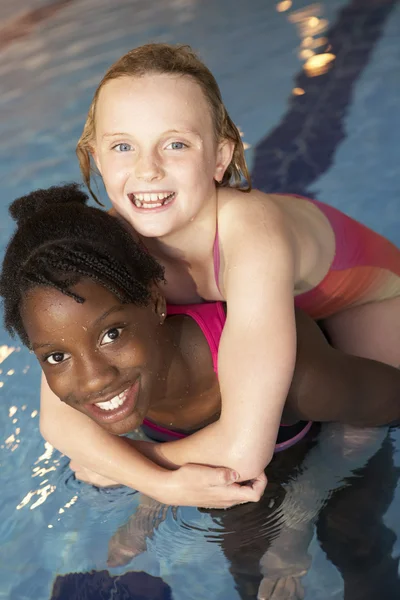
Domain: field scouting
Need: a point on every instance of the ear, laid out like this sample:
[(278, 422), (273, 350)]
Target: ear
[(224, 156), (159, 304)]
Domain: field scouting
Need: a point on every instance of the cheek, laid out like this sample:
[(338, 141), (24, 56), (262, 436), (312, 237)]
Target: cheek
[(113, 172), (138, 350), (61, 386), (113, 167), (197, 172)]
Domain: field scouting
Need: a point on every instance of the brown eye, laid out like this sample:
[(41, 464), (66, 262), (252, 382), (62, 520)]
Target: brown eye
[(56, 358), (111, 335)]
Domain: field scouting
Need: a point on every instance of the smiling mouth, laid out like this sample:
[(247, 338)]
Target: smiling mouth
[(151, 200), (115, 402), (118, 407)]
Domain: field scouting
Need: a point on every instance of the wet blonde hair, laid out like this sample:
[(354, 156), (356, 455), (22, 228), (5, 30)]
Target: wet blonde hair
[(173, 60)]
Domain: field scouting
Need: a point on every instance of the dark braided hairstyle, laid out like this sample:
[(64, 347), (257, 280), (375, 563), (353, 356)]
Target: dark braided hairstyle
[(60, 240)]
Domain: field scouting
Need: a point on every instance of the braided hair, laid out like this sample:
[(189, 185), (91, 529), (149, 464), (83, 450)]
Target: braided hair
[(60, 240)]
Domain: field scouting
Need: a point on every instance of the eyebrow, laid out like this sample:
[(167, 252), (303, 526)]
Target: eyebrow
[(117, 134), (113, 309), (175, 131)]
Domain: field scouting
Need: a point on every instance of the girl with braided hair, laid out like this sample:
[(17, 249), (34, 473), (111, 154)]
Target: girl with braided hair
[(173, 165), (86, 298)]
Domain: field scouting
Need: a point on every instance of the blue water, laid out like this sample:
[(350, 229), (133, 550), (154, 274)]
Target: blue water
[(329, 525)]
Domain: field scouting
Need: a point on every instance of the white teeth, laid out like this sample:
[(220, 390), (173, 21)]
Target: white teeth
[(154, 205), (114, 403), (152, 200)]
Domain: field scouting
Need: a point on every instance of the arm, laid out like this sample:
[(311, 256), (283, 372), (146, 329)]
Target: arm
[(257, 348), (63, 427), (135, 464)]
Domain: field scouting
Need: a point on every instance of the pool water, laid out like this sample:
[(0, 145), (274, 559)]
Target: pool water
[(323, 126)]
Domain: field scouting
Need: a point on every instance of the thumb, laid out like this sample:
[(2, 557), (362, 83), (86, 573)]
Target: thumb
[(225, 476)]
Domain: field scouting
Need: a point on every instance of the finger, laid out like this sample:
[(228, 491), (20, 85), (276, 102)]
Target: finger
[(262, 477), (223, 476), (246, 493), (258, 486), (229, 496)]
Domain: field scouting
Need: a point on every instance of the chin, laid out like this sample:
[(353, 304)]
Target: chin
[(128, 425), (154, 230)]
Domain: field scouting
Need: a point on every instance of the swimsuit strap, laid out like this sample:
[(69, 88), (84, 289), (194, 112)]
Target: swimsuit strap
[(210, 317), (217, 258)]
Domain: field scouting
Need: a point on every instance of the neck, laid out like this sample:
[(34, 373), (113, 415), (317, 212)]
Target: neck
[(176, 376), (188, 374)]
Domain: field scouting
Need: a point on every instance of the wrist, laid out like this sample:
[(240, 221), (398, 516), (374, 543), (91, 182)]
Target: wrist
[(153, 451), (165, 488)]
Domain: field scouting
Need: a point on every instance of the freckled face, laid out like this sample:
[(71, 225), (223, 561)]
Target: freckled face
[(156, 150), (101, 357)]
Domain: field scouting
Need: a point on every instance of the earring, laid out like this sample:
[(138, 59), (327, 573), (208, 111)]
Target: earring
[(162, 315)]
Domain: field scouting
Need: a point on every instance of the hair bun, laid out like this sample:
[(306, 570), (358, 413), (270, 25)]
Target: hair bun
[(24, 208)]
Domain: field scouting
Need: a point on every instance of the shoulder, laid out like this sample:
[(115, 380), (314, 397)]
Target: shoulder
[(250, 219)]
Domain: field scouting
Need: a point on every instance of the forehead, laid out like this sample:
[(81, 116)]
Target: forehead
[(47, 310), (152, 100)]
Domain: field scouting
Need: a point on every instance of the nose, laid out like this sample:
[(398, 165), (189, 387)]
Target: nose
[(148, 167), (95, 376)]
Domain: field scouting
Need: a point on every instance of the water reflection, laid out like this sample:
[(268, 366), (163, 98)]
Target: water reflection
[(267, 543), (302, 146), (310, 24), (47, 79)]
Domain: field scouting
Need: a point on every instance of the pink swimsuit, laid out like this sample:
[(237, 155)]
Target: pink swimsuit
[(211, 318), (365, 268)]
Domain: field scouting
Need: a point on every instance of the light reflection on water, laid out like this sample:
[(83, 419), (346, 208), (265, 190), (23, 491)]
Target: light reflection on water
[(52, 524)]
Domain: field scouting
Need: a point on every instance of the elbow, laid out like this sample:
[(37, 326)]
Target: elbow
[(248, 472), (248, 466)]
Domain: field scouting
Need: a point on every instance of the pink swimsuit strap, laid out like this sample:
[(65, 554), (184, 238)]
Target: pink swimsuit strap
[(217, 258), (210, 317)]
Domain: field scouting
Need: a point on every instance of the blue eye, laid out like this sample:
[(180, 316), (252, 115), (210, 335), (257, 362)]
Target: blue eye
[(122, 147), (177, 146)]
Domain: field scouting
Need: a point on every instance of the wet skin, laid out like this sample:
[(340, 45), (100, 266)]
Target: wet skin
[(155, 134), (93, 351)]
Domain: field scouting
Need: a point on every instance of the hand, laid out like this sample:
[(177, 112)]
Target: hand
[(83, 474), (130, 540), (281, 589), (209, 487)]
